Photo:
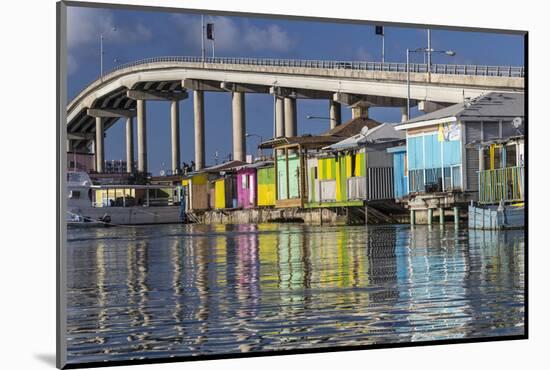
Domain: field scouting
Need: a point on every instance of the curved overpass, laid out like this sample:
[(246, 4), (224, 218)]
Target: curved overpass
[(120, 92)]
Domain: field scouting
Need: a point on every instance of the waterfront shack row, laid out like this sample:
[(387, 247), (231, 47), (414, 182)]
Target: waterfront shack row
[(467, 151), (230, 185), (345, 166)]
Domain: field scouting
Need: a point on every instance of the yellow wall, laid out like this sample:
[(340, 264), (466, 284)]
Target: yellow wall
[(200, 179), (266, 194), (219, 192)]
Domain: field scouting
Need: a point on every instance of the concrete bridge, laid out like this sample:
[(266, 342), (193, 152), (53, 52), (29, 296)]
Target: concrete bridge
[(123, 93)]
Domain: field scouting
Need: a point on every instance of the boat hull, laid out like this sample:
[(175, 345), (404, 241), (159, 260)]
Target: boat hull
[(129, 215), (495, 218)]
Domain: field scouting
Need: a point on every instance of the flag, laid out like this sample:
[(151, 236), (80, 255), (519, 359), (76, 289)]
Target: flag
[(210, 31), (379, 30)]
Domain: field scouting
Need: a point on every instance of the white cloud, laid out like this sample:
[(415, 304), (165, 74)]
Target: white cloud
[(232, 36), (270, 38), (85, 25)]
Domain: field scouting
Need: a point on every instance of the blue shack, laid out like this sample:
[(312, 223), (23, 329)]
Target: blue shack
[(449, 152)]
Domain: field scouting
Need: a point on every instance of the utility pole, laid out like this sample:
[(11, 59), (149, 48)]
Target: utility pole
[(202, 37), (429, 51), (379, 30)]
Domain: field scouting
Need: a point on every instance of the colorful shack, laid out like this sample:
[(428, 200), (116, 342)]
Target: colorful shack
[(444, 147), (289, 175), (195, 191), (449, 151), (501, 175), (211, 188), (256, 185), (354, 170), (222, 182), (301, 166)]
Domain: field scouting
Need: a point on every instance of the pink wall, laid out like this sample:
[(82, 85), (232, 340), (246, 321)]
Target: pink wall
[(246, 188)]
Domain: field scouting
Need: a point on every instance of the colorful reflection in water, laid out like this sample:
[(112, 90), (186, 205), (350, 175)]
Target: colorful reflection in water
[(162, 291)]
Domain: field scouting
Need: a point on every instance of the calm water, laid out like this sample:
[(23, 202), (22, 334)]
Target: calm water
[(184, 290)]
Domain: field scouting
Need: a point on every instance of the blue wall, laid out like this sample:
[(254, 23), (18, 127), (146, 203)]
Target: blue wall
[(426, 151)]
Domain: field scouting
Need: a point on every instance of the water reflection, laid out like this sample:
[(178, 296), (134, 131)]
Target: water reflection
[(149, 292)]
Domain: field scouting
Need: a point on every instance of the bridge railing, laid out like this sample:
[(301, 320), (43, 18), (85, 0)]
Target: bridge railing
[(451, 69)]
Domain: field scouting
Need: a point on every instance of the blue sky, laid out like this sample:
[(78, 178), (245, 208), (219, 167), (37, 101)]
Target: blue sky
[(141, 34)]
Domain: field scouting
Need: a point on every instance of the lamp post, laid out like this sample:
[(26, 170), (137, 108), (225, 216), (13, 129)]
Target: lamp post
[(317, 117), (420, 50), (260, 153), (101, 37)]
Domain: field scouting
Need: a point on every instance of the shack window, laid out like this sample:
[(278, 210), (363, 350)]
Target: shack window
[(497, 157), (493, 157), (74, 194), (353, 157), (511, 156), (244, 182)]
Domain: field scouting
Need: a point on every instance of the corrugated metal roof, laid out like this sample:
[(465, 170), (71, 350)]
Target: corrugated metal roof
[(379, 134), (224, 166), (494, 104), (308, 141), (345, 130), (258, 164)]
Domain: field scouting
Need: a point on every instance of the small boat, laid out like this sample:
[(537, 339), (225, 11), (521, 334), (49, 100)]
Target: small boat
[(495, 217), (83, 209)]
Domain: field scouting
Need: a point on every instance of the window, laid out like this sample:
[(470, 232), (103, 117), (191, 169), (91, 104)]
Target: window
[(74, 194), (511, 159), (493, 157), (497, 157), (244, 181)]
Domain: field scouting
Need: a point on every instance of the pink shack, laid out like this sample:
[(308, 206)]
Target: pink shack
[(247, 184)]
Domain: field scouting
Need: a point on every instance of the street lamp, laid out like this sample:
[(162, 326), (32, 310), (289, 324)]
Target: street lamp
[(420, 50), (261, 141), (101, 37), (317, 117)]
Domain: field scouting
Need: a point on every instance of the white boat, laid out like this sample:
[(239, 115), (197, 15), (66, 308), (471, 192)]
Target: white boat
[(82, 210)]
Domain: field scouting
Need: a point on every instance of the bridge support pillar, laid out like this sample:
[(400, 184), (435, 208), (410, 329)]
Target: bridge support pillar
[(141, 135), (198, 104), (404, 114), (239, 126), (175, 135), (335, 111), (129, 144), (291, 125), (279, 117), (99, 148)]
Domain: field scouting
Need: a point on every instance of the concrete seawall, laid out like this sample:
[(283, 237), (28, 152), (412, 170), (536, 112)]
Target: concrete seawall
[(310, 216)]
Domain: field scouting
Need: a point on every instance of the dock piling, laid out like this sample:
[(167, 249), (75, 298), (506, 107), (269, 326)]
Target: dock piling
[(456, 215)]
